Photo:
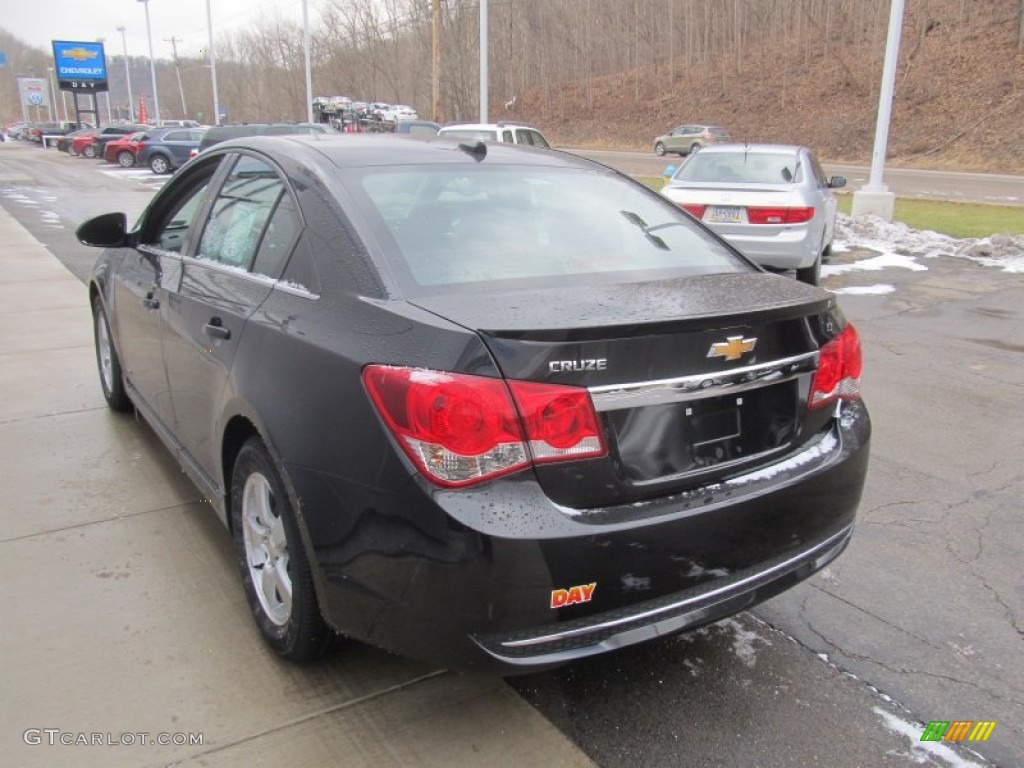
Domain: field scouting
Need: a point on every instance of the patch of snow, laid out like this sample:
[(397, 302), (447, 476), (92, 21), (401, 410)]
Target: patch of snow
[(879, 289), (823, 447), (743, 641), (875, 264), (631, 583), (923, 750), (897, 239)]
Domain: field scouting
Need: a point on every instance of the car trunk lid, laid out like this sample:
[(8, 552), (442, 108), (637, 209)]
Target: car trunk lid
[(694, 379)]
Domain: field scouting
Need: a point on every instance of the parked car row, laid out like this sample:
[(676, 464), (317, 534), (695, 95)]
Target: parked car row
[(164, 150), (35, 131)]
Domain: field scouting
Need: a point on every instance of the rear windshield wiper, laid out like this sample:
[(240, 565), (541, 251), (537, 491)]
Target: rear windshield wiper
[(648, 230)]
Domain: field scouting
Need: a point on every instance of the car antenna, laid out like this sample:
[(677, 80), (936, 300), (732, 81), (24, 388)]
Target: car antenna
[(477, 149)]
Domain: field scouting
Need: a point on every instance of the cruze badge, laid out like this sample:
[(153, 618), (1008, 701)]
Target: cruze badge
[(574, 366), (732, 348)]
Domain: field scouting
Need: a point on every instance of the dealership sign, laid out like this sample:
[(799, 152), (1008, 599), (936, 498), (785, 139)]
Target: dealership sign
[(80, 67), (32, 91)]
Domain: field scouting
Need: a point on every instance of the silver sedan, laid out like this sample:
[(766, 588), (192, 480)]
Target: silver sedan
[(773, 202)]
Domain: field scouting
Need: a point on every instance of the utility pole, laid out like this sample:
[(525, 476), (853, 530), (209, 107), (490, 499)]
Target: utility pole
[(483, 62), (174, 47), (436, 96)]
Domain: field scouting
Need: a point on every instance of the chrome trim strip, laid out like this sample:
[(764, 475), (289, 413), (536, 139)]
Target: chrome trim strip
[(736, 586), (229, 269), (256, 277), (610, 397), (295, 290), (152, 250)]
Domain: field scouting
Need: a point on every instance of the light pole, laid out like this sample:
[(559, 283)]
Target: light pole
[(152, 67), (213, 66), (309, 70), (874, 198), (127, 76)]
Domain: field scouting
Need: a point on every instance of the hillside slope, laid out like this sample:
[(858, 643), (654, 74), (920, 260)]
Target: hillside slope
[(959, 99)]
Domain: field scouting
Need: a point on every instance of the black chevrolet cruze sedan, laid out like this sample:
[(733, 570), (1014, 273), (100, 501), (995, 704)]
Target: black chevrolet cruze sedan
[(479, 404)]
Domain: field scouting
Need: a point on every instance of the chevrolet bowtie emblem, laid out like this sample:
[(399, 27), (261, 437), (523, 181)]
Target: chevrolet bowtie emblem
[(80, 54), (732, 348)]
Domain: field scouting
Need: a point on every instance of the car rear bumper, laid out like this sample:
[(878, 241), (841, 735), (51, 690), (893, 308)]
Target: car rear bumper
[(663, 617), (777, 247), (469, 578)]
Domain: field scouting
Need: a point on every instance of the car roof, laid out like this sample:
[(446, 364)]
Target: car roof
[(365, 150), (716, 149), (488, 126)]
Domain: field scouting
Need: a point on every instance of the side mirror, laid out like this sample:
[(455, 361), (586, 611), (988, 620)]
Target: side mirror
[(836, 182), (107, 231), (669, 171)]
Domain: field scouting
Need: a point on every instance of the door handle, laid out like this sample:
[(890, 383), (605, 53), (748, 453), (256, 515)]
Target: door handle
[(151, 303), (215, 330)]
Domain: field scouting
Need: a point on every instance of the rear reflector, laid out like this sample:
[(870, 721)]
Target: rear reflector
[(779, 215), (460, 429), (839, 368)]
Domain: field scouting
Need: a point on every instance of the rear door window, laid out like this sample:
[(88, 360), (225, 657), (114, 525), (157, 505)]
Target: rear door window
[(243, 206)]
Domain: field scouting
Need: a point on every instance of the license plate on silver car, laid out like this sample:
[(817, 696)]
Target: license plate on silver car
[(726, 214)]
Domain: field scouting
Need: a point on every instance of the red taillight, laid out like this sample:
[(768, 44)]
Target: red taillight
[(697, 211), (560, 421), (460, 429), (779, 215), (839, 368)]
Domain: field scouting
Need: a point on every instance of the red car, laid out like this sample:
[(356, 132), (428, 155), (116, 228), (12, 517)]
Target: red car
[(124, 151), (83, 145)]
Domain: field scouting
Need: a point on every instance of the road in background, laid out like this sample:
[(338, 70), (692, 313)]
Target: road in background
[(924, 606), (1001, 189)]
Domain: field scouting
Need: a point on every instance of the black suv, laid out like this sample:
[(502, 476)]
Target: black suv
[(220, 133)]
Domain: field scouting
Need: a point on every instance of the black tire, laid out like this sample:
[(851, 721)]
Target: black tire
[(125, 159), (812, 274), (111, 377), (159, 164), (695, 147), (90, 150), (659, 149), (266, 533)]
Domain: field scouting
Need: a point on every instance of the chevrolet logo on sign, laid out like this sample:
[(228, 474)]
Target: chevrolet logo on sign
[(732, 348), (79, 54)]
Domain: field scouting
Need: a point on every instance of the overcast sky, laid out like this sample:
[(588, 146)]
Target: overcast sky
[(37, 22)]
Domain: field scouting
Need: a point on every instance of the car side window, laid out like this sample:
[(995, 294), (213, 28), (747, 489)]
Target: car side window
[(819, 173), (506, 135), (175, 136), (538, 140), (524, 137), (173, 231), (240, 213), (278, 241)]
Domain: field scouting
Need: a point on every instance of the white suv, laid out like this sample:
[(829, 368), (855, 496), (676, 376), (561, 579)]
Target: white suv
[(506, 132)]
